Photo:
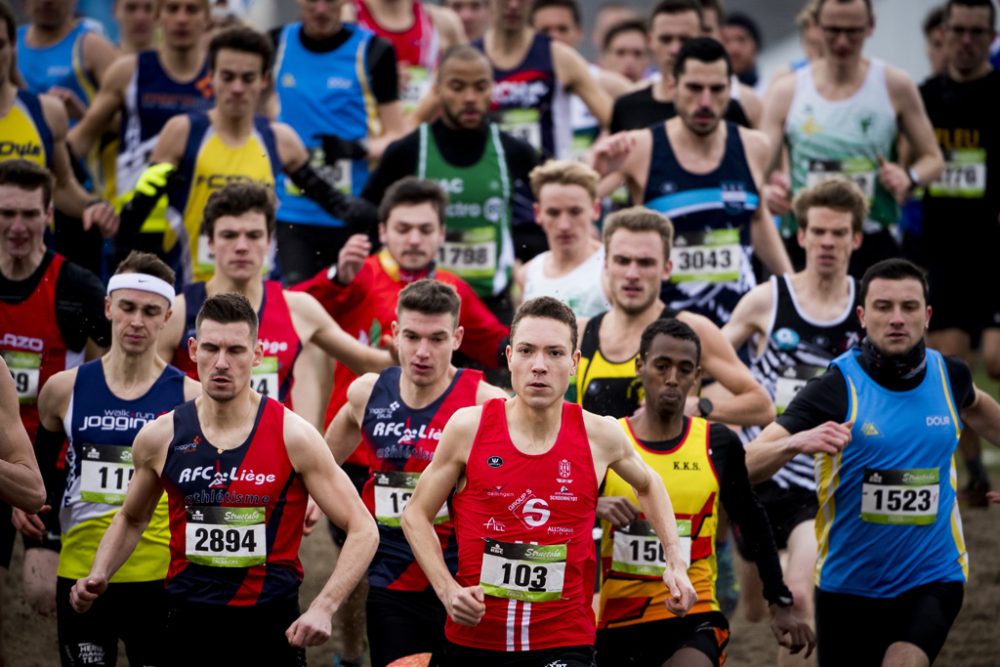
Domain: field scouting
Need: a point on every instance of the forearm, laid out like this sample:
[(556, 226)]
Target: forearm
[(360, 215), (117, 545), (766, 457), (750, 407), (928, 166), (659, 512), (984, 417), (21, 486), (426, 548), (744, 508), (352, 565), (767, 244)]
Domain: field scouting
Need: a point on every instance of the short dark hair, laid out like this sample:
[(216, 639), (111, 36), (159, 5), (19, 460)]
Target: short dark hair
[(678, 7), (413, 191), (29, 176), (745, 21), (146, 262), (934, 20), (839, 194), (672, 327), (549, 308), (244, 40), (894, 268), (227, 308), (236, 199), (464, 53), (716, 5), (572, 5), (820, 3), (622, 27), (429, 297), (968, 3), (704, 50)]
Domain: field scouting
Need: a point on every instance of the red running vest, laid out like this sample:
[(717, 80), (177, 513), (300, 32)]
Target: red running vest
[(515, 498)]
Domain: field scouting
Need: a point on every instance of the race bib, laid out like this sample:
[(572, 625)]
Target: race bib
[(105, 473), (526, 572), (906, 497), (712, 256), (392, 493), (525, 124), (264, 378), (470, 252), (225, 536), (25, 368), (637, 549), (964, 174), (415, 89), (789, 383), (860, 170)]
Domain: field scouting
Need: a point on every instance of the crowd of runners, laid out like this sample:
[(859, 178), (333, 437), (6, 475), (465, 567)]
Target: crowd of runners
[(542, 342)]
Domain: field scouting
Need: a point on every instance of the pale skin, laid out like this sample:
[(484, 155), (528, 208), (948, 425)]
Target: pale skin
[(20, 481), (542, 357), (838, 76), (698, 138), (225, 354)]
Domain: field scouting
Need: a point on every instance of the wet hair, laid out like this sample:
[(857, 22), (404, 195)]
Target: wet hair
[(572, 5), (564, 172), (969, 3), (704, 50), (236, 199), (228, 308), (639, 219), (894, 269), (243, 40), (546, 307), (27, 176), (429, 297), (839, 194), (669, 327), (413, 191), (146, 262), (628, 25)]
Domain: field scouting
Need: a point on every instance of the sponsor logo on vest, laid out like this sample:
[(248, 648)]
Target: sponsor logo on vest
[(11, 149), (525, 94), (219, 181), (686, 465), (234, 474), (116, 420), (384, 413), (22, 342), (869, 429), (494, 461), (936, 420), (273, 346), (453, 186), (530, 510), (338, 83), (404, 433), (494, 525)]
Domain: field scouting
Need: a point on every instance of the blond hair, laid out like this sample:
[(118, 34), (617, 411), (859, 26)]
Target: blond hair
[(639, 219), (564, 172)]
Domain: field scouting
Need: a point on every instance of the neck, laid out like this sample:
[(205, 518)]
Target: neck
[(129, 370), (641, 320), (567, 258), (692, 141), (663, 90), (420, 396), (536, 423), (842, 72), (225, 415), (46, 36), (506, 40), (978, 72), (240, 126), (252, 289), (21, 268), (652, 426), (182, 60), (825, 286)]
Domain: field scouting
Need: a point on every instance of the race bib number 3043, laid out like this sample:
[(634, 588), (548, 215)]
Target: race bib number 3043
[(905, 497), (526, 572), (712, 256), (226, 536)]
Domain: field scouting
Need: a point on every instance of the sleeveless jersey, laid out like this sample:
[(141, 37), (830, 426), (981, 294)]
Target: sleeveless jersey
[(580, 289), (401, 441), (711, 214), (524, 528), (152, 97), (585, 126), (273, 378), (632, 561), (478, 245), (32, 345), (418, 48), (101, 428), (207, 165), (603, 386), (843, 138), (60, 64), (325, 97), (524, 100), (24, 132), (798, 349), (892, 490), (235, 515)]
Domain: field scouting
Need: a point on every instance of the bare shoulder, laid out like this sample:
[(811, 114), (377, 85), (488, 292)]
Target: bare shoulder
[(901, 87), (360, 390), (603, 430), (53, 400), (756, 143), (447, 22), (192, 389), (699, 323), (781, 87), (173, 137), (758, 300), (301, 303), (150, 444), (119, 73), (567, 56), (465, 421), (55, 115), (487, 391)]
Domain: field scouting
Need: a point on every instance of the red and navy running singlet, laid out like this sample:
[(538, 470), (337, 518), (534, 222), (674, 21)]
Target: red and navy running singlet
[(32, 345), (401, 441), (524, 528), (235, 515), (276, 333)]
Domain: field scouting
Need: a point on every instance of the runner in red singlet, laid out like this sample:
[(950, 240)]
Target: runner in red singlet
[(237, 468), (527, 472)]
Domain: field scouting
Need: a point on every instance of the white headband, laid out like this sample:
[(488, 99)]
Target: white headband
[(143, 282)]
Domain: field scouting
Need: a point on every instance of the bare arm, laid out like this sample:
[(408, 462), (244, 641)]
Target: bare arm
[(149, 451), (775, 447), (332, 490), (20, 481), (749, 404), (449, 26), (313, 384), (98, 55), (394, 126), (764, 237), (983, 416), (750, 316), (916, 127), (344, 433), (103, 107), (68, 196), (322, 330), (170, 338), (571, 69), (778, 191), (437, 481), (752, 105)]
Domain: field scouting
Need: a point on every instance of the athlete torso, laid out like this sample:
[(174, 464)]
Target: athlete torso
[(24, 132)]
